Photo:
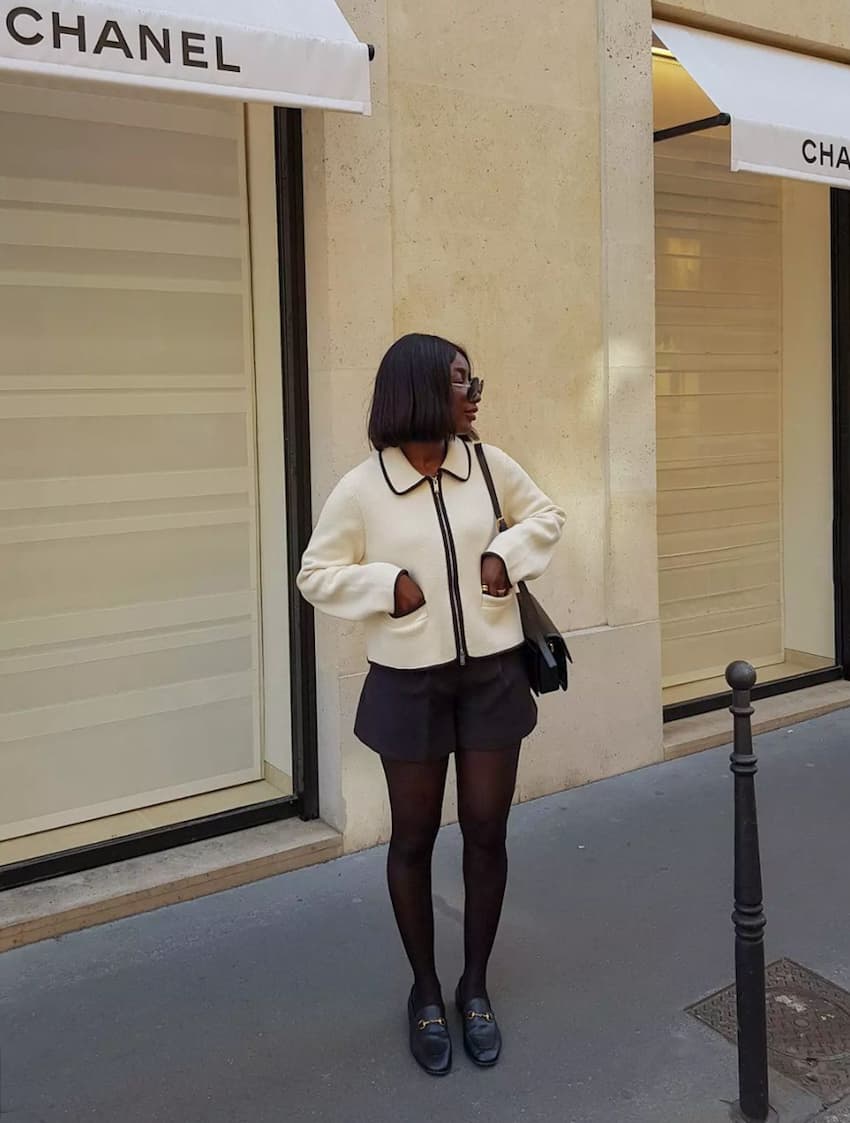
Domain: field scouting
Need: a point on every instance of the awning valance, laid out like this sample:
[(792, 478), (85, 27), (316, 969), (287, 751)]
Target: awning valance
[(790, 112), (288, 52)]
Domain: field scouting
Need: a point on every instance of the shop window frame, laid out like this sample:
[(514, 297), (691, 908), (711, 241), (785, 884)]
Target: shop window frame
[(296, 435), (840, 269)]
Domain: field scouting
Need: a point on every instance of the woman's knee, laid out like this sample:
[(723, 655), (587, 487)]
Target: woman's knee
[(483, 832), (413, 845)]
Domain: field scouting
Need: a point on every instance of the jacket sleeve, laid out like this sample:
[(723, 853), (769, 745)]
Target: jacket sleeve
[(333, 577), (535, 523)]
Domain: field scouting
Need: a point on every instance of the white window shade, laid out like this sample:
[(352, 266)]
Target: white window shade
[(290, 52), (789, 111)]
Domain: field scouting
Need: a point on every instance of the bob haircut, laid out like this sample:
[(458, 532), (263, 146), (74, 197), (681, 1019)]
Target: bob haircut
[(412, 399)]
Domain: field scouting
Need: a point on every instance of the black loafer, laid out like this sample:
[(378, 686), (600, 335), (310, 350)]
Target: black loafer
[(481, 1037), (430, 1043)]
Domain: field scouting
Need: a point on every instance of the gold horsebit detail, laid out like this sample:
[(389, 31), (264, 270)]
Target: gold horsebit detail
[(423, 1024), (471, 1015)]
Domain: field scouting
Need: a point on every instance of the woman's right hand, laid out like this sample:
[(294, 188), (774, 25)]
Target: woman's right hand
[(408, 596)]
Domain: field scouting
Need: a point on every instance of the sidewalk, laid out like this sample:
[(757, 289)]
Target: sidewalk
[(838, 1114), (284, 1000)]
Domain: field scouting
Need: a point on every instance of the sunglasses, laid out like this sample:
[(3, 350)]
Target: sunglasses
[(474, 389)]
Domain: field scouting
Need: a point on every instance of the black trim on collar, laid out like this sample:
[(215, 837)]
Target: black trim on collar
[(448, 471), (410, 473), (390, 484)]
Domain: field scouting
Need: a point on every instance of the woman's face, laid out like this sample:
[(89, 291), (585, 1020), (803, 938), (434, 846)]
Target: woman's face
[(464, 411)]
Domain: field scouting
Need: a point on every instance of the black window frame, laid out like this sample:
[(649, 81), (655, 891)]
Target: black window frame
[(840, 283), (296, 438)]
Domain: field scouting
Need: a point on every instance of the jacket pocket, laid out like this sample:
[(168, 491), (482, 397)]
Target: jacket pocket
[(497, 603), (412, 622)]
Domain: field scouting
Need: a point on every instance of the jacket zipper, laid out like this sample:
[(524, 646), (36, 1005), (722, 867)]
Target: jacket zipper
[(451, 565)]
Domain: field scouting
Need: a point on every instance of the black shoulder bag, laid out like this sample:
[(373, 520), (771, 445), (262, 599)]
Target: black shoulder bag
[(544, 650)]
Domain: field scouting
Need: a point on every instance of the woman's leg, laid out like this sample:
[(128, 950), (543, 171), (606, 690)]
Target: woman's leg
[(416, 800), (485, 782)]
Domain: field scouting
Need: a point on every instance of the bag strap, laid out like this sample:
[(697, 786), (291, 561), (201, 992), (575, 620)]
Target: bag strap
[(491, 487)]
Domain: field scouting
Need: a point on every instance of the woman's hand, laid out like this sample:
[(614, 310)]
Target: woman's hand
[(408, 596), (494, 576)]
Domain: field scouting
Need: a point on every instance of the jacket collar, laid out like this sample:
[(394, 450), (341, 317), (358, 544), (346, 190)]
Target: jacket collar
[(402, 477)]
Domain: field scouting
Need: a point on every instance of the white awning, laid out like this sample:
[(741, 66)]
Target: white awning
[(789, 111), (288, 52)]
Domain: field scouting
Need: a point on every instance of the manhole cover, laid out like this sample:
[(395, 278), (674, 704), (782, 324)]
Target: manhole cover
[(808, 1027)]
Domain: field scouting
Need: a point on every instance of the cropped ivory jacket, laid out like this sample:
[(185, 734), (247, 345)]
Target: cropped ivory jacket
[(384, 519)]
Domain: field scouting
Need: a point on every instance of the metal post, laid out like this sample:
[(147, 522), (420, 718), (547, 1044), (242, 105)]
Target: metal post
[(721, 120), (748, 917)]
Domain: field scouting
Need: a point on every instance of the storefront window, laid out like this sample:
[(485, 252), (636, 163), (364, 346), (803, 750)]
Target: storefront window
[(131, 623), (744, 410)]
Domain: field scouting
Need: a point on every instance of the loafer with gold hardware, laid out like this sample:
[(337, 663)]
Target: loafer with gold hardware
[(430, 1043), (481, 1037)]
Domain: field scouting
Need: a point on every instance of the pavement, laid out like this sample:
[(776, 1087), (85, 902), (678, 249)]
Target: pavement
[(838, 1114), (284, 1000)]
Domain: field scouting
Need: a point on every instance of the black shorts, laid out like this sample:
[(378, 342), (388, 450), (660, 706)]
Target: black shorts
[(428, 714)]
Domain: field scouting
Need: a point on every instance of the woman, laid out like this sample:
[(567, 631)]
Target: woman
[(408, 544)]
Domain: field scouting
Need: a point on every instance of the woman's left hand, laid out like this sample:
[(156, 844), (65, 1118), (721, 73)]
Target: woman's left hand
[(494, 576)]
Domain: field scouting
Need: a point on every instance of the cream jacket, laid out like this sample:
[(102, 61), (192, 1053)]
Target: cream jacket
[(384, 519)]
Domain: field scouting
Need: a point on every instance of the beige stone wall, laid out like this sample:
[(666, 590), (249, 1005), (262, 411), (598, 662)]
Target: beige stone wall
[(823, 27), (502, 195)]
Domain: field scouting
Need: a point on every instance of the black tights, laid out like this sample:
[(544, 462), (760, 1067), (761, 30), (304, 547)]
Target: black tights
[(485, 782)]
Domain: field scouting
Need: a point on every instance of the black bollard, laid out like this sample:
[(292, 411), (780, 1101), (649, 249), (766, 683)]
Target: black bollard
[(748, 917)]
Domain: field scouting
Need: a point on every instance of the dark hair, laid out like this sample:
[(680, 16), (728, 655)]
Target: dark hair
[(412, 399)]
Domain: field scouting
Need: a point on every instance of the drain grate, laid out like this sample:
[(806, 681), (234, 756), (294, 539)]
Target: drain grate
[(808, 1027)]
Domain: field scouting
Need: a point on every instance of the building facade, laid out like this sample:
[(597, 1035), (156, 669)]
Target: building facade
[(508, 193), (657, 333)]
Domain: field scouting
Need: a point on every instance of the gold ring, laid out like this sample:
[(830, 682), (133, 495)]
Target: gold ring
[(485, 588)]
